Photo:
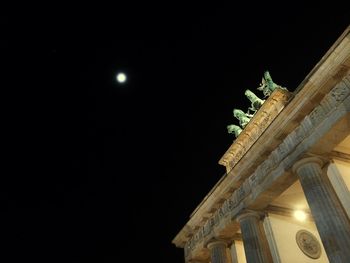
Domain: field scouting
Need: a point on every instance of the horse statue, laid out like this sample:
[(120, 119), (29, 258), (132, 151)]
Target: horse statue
[(256, 102), (236, 130), (267, 86), (243, 117)]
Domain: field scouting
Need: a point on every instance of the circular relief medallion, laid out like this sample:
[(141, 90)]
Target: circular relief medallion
[(308, 243)]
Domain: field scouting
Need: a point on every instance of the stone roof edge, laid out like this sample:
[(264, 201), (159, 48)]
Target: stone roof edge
[(185, 232)]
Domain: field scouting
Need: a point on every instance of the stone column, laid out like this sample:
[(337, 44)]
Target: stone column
[(331, 220), (218, 252), (339, 186), (254, 240), (233, 253)]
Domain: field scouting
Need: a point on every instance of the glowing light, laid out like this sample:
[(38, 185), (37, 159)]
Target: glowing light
[(121, 77), (300, 215)]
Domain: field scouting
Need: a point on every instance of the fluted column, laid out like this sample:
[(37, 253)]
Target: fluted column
[(331, 220), (218, 251), (233, 253), (255, 244)]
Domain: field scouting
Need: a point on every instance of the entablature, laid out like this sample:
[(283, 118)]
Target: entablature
[(263, 164)]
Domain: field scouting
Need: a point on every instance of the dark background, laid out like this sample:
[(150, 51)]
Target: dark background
[(96, 171)]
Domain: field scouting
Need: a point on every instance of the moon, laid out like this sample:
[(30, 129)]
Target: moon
[(121, 77)]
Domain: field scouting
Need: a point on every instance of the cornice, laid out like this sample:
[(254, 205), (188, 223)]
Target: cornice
[(311, 92)]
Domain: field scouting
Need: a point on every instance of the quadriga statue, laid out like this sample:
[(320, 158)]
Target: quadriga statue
[(256, 102), (243, 117), (267, 86), (236, 130)]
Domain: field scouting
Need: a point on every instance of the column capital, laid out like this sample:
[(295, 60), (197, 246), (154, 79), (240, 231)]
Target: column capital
[(307, 161), (216, 242), (254, 240), (218, 250), (249, 213)]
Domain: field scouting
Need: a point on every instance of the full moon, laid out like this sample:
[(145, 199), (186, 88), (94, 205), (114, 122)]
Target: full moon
[(121, 77)]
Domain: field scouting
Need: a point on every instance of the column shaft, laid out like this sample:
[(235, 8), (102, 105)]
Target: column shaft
[(254, 240), (233, 253), (218, 252), (331, 220)]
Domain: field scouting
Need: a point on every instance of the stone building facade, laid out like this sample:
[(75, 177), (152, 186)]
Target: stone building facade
[(285, 195)]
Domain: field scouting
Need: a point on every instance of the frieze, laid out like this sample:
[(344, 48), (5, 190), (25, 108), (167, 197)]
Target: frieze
[(328, 103), (216, 218), (254, 179), (230, 204), (307, 126), (264, 167), (206, 229), (221, 212), (317, 115), (290, 140), (270, 164), (240, 194), (246, 186), (341, 91), (211, 222), (200, 234), (282, 151), (224, 209), (234, 200), (275, 157), (297, 135)]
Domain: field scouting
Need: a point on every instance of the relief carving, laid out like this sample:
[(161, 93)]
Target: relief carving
[(263, 167), (307, 125), (230, 204), (317, 115), (211, 223), (234, 199), (200, 235), (254, 180), (206, 229), (299, 134), (340, 92), (240, 193), (216, 218), (221, 212), (196, 237)]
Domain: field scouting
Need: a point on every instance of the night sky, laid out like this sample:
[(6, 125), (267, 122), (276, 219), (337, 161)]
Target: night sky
[(104, 172)]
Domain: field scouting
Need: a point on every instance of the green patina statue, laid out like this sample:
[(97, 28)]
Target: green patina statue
[(256, 102), (243, 117), (267, 86), (236, 130)]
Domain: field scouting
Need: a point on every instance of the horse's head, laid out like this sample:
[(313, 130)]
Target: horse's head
[(249, 94), (236, 130), (238, 113), (231, 128)]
